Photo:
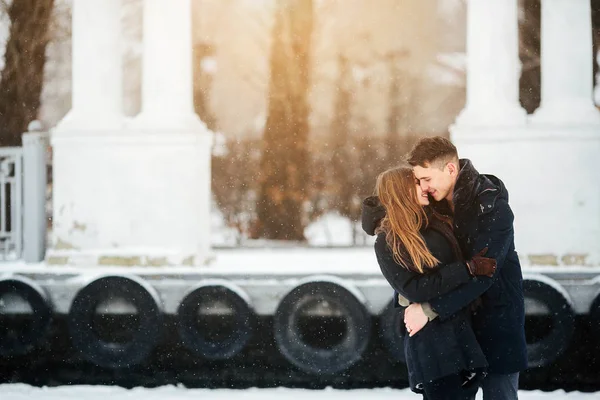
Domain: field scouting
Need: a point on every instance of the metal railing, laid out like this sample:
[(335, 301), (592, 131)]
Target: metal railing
[(11, 190), (23, 199)]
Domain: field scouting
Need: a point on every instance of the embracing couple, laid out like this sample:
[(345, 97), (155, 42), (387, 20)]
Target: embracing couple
[(445, 243)]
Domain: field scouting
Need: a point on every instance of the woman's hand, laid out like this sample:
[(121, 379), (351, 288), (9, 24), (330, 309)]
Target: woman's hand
[(479, 265), (414, 319)]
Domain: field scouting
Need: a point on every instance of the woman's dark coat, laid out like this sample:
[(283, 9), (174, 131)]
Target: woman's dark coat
[(442, 347)]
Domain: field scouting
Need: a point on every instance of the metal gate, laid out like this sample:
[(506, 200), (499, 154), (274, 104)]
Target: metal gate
[(11, 190), (23, 199)]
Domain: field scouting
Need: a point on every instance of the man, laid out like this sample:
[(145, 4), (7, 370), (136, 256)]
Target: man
[(482, 218)]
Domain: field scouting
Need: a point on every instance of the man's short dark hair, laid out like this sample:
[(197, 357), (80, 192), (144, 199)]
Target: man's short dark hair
[(432, 151)]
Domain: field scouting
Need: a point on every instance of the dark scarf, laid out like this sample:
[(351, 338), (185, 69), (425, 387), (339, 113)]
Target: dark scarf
[(467, 185)]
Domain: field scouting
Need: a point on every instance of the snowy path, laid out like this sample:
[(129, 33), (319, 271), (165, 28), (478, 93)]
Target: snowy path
[(22, 392)]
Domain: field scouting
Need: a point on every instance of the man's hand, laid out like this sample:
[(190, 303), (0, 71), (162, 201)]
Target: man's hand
[(414, 318), (480, 265)]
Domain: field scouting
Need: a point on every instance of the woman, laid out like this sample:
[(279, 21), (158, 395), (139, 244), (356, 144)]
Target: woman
[(421, 259)]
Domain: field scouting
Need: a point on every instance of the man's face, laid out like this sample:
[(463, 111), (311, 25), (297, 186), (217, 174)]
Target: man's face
[(439, 183)]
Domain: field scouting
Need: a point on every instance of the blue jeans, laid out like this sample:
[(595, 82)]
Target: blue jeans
[(500, 387)]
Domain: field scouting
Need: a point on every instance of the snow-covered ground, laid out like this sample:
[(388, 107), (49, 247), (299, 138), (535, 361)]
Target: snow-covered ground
[(331, 229), (22, 392)]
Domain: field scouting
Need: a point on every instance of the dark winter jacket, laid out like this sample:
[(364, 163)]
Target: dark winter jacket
[(442, 347), (416, 287), (483, 218), (419, 288)]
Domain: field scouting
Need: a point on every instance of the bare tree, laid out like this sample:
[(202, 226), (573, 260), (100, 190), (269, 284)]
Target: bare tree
[(284, 164), (399, 97), (234, 184), (339, 135), (529, 52), (596, 38), (22, 78)]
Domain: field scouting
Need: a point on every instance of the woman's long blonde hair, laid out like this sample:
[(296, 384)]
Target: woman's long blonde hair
[(404, 218)]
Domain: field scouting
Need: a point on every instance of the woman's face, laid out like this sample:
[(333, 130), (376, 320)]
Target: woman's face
[(421, 195)]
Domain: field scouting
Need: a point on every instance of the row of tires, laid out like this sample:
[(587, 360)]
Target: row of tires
[(321, 326)]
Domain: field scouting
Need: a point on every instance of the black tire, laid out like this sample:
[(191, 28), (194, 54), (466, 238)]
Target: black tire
[(391, 332), (232, 341), (561, 320), (595, 315), (319, 360), (25, 338), (109, 354)]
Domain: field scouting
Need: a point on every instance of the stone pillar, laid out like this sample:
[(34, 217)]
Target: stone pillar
[(546, 161), (493, 66), (139, 194), (167, 80), (97, 98), (567, 64)]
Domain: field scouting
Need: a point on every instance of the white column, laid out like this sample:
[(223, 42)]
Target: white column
[(567, 64), (167, 88), (97, 98), (493, 66)]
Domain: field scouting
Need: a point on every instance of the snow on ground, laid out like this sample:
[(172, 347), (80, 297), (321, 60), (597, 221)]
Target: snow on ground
[(331, 229), (22, 392)]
